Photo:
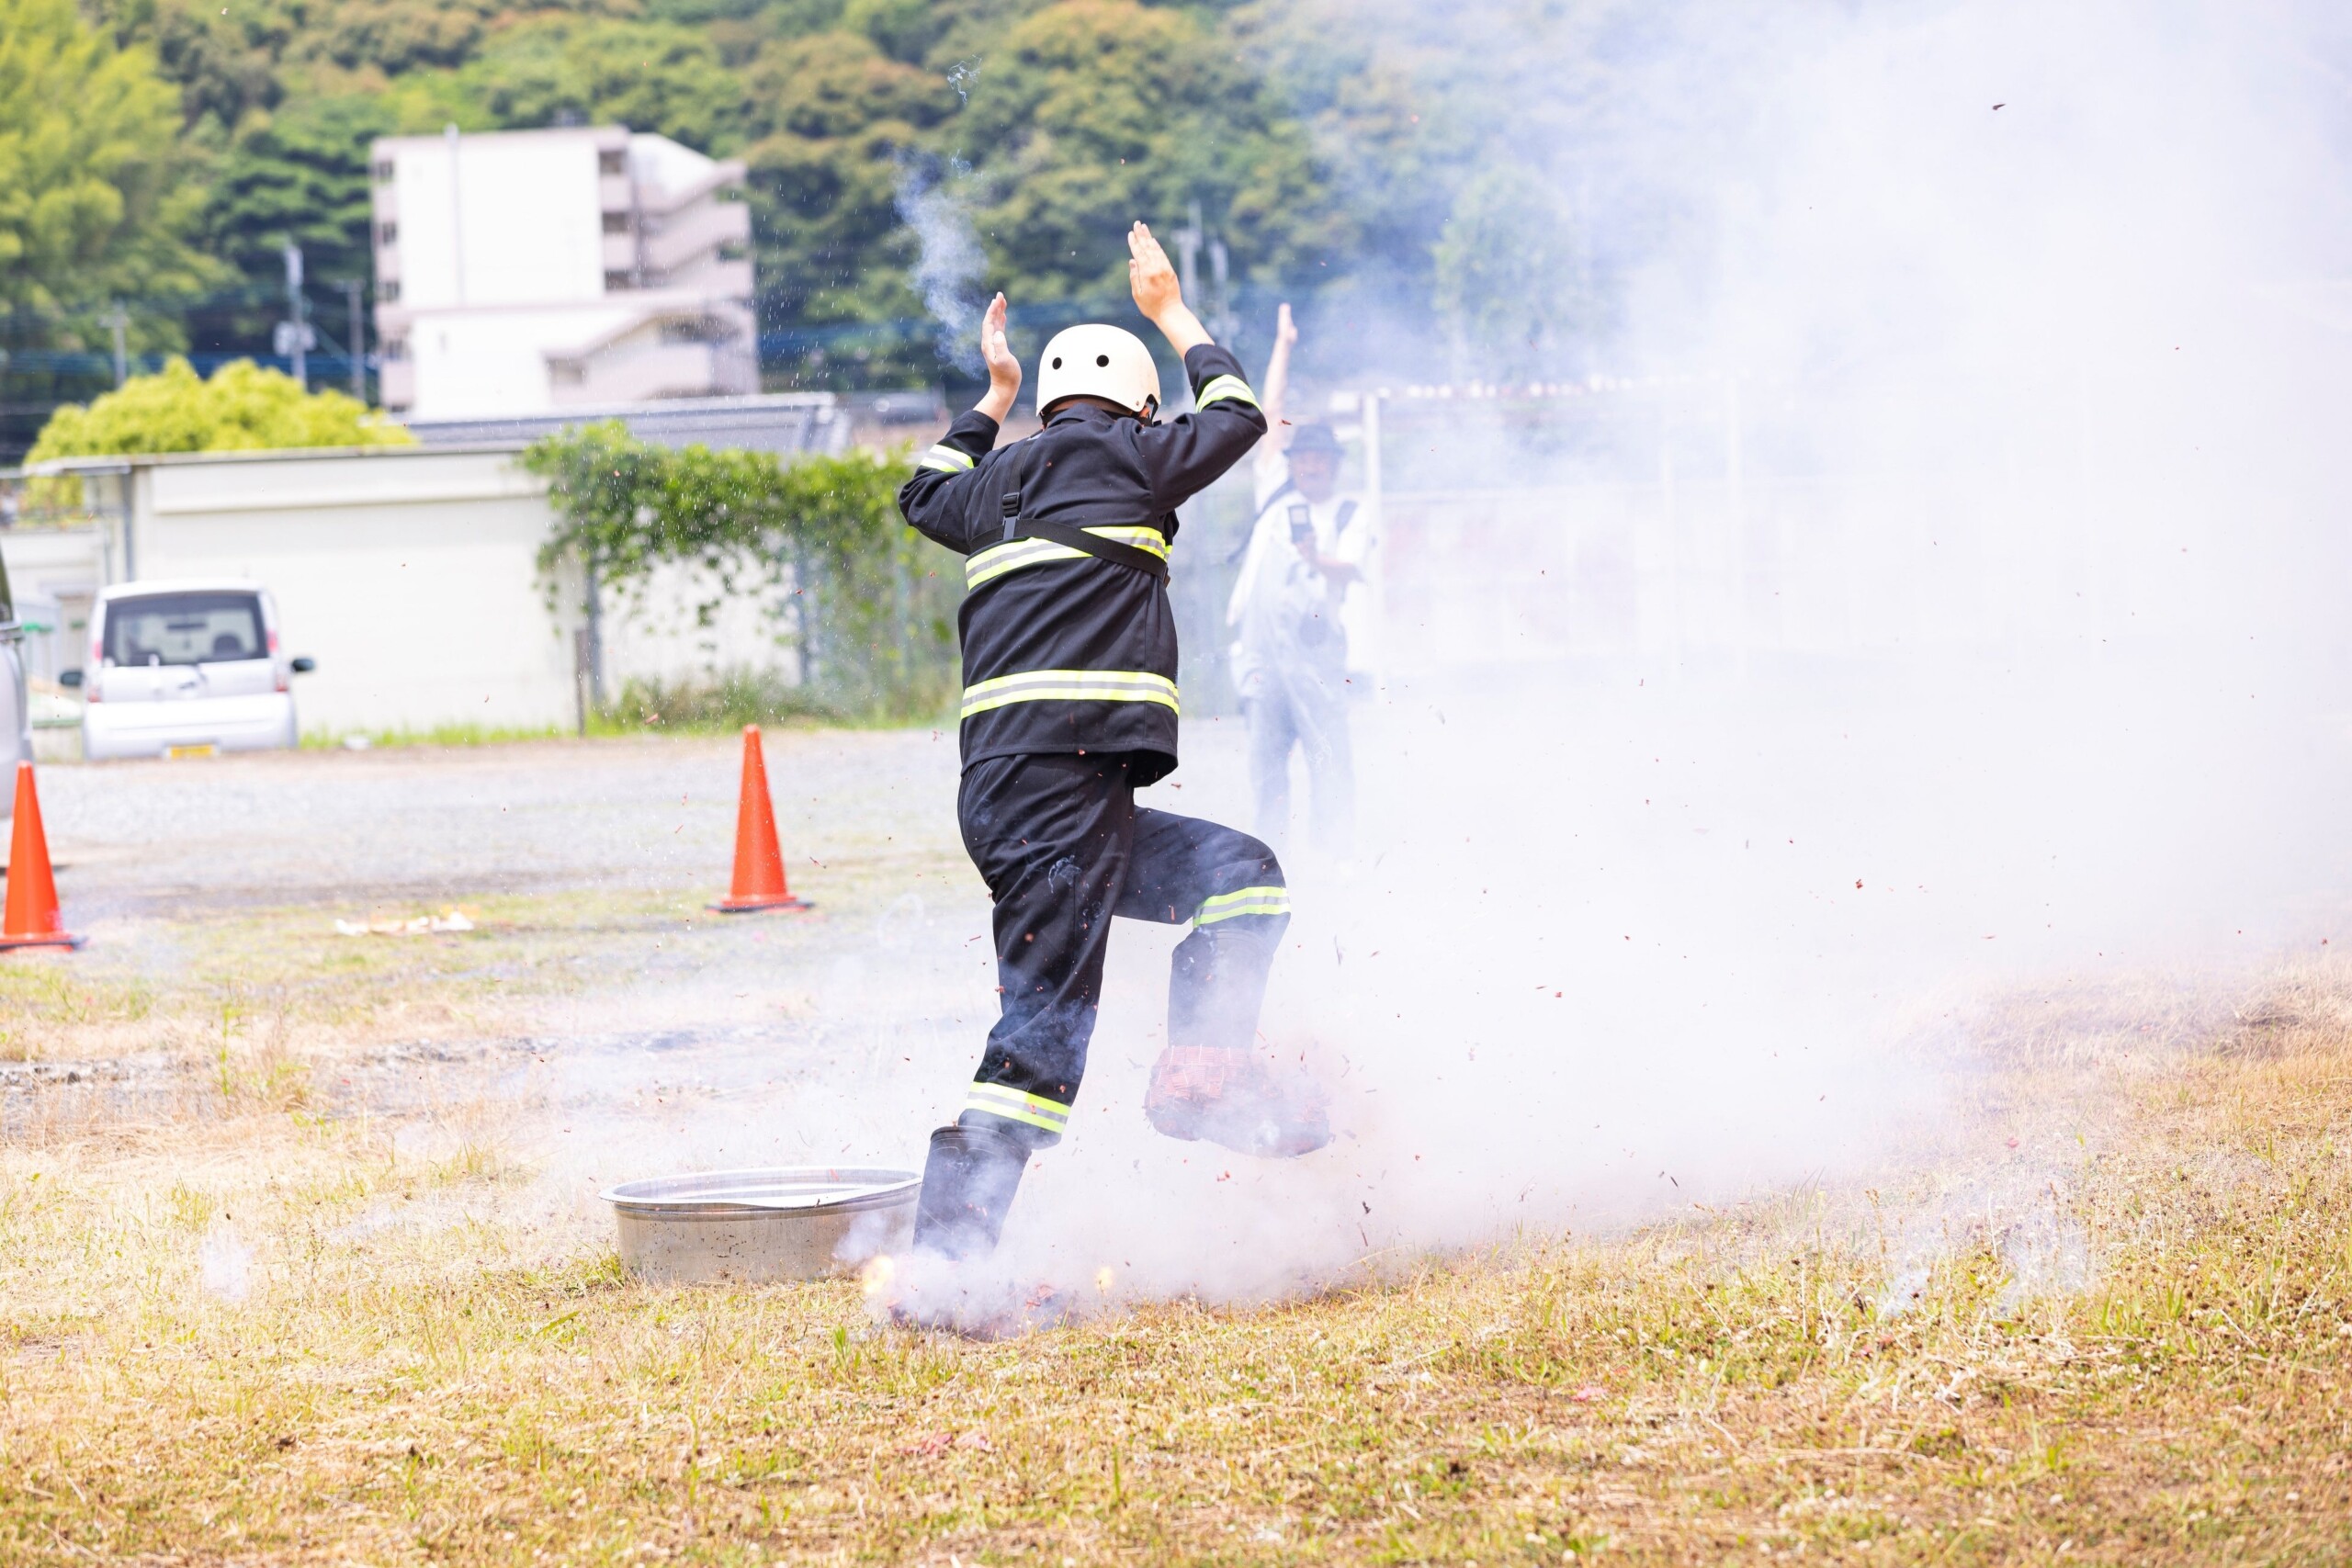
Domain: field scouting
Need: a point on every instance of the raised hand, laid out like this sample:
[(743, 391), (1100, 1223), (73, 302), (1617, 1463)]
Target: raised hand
[(1286, 332), (1157, 293), (1149, 275), (1004, 369)]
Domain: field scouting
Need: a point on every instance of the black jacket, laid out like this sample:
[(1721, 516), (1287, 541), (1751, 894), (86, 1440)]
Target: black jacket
[(1064, 651)]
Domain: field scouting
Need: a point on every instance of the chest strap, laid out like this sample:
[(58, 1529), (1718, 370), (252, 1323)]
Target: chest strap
[(1111, 550)]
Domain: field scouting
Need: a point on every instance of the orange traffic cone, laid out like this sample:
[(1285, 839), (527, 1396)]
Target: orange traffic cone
[(32, 920), (759, 861)]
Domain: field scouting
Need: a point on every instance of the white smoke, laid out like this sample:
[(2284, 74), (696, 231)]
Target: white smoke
[(1946, 605), (1979, 555), (949, 263)]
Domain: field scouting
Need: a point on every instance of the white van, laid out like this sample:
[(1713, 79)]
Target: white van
[(185, 668)]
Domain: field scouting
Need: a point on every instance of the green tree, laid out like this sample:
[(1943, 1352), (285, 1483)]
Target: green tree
[(653, 76), (393, 36), (1503, 267), (301, 174), (835, 116), (223, 61), (958, 35), (1092, 113), (873, 617), (93, 199), (242, 408)]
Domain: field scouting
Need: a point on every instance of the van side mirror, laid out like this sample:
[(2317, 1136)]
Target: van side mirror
[(69, 678), (304, 666)]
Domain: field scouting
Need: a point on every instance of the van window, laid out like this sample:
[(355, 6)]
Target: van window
[(184, 628)]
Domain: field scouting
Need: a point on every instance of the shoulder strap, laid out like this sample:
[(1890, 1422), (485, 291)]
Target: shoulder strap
[(1094, 545), (1111, 550), (1016, 472), (1347, 515)]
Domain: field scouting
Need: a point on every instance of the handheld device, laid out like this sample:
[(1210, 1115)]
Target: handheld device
[(1302, 523)]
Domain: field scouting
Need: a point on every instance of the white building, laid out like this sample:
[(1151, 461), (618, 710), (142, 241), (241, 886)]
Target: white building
[(529, 271)]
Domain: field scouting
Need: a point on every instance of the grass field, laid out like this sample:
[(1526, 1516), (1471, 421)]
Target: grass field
[(234, 1329)]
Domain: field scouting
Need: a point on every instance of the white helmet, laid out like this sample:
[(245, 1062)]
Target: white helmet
[(1099, 361)]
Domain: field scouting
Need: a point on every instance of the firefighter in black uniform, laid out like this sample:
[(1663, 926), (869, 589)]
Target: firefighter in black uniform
[(1070, 707)]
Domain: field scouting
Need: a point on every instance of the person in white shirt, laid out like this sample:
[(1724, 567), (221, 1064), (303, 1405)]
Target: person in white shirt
[(1300, 595)]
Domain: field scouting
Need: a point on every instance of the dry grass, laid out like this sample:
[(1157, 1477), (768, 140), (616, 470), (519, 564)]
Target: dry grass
[(272, 976), (2126, 1338)]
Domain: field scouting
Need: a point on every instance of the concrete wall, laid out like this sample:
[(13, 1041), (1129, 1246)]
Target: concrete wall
[(410, 574), (413, 580)]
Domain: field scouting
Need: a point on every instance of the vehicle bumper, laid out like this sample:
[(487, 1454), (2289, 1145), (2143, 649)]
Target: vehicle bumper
[(149, 729)]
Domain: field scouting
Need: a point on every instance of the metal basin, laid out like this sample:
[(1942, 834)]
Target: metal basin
[(758, 1227)]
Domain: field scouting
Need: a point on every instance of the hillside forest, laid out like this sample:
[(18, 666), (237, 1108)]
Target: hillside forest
[(158, 155)]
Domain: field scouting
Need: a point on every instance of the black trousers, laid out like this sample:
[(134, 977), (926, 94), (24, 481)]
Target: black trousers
[(1063, 848)]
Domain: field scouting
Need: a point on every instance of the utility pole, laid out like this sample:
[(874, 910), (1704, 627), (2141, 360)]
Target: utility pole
[(294, 337), (119, 320), (1188, 256), (1220, 300), (357, 340), (1215, 306)]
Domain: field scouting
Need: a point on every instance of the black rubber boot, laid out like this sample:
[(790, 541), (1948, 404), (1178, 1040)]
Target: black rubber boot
[(968, 1185)]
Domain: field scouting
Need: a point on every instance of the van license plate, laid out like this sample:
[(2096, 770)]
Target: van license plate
[(175, 753)]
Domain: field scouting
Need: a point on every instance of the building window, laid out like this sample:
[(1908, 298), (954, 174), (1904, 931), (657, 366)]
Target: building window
[(616, 222), (383, 171), (386, 234), (615, 282), (568, 372), (387, 291), (613, 161), (695, 329), (394, 348)]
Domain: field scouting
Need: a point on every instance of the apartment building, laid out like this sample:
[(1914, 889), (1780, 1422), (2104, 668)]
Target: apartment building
[(531, 271)]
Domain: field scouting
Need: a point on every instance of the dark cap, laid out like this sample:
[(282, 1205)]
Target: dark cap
[(1315, 437)]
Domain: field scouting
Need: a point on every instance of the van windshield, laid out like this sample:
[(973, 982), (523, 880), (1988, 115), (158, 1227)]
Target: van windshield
[(184, 628)]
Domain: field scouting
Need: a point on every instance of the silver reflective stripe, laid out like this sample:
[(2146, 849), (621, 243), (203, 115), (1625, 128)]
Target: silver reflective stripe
[(1069, 685), (946, 459), (1001, 1100), (998, 559), (1224, 387), (1243, 901)]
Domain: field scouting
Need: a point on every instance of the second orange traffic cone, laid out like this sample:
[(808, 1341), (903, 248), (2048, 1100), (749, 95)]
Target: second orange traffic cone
[(33, 918), (759, 859)]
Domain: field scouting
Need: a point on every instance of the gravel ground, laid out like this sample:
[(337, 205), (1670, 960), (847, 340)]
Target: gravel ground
[(599, 1007), (177, 839)]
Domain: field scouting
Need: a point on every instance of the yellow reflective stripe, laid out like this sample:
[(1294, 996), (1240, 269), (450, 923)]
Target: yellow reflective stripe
[(1069, 685), (1149, 540), (1232, 387), (946, 459), (998, 559), (1245, 901), (999, 1100)]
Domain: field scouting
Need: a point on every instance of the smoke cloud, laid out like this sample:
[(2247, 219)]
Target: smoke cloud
[(1915, 580), (949, 263), (1902, 572)]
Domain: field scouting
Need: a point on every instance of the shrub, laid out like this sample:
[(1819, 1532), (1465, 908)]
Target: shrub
[(242, 408), (871, 618)]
